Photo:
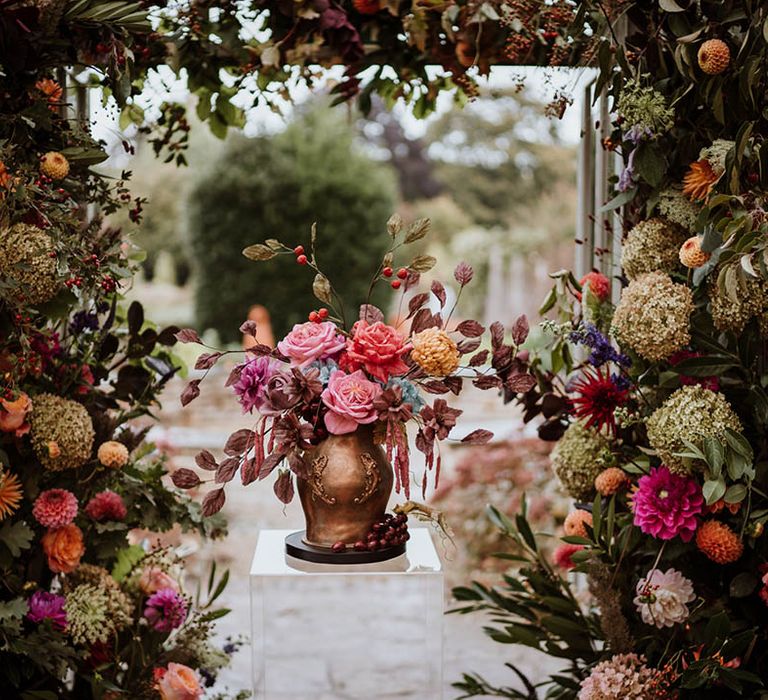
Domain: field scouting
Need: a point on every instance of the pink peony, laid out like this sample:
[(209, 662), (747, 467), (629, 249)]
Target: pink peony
[(308, 342), (377, 348), (349, 398), (178, 682), (153, 579), (562, 555), (55, 508), (667, 505), (106, 505)]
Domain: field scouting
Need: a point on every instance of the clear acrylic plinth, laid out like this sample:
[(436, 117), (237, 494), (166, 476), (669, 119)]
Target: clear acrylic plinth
[(356, 632)]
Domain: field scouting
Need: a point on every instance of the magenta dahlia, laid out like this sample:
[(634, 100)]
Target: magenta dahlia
[(598, 395), (55, 508), (165, 610), (47, 606), (667, 505)]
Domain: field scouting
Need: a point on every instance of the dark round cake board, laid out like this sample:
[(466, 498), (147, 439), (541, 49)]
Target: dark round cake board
[(295, 546)]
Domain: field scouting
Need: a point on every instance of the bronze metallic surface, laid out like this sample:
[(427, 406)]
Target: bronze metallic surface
[(348, 486)]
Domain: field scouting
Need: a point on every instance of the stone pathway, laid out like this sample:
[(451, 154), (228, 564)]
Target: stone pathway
[(206, 424)]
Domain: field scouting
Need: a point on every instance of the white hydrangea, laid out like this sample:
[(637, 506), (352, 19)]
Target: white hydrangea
[(662, 598), (716, 154)]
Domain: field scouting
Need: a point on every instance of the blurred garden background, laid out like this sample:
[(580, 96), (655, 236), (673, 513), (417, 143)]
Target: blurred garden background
[(498, 182)]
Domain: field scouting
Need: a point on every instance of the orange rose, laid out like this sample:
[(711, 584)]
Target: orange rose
[(13, 415), (179, 682), (64, 548)]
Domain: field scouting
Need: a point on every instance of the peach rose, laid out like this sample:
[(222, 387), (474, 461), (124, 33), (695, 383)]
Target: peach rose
[(153, 578), (13, 415), (179, 682), (64, 548)]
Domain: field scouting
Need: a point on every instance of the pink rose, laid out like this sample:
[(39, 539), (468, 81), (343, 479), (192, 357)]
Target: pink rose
[(349, 398), (310, 341), (378, 348), (153, 578), (179, 682)]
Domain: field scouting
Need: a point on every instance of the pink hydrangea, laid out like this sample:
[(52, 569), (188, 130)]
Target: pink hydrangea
[(106, 505), (667, 505), (55, 508), (309, 342), (349, 399)]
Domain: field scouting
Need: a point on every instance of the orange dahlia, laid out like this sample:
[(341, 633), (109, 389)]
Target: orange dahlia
[(51, 89), (610, 481), (691, 254), (10, 494), (721, 544), (575, 523), (699, 180), (5, 178), (714, 56)]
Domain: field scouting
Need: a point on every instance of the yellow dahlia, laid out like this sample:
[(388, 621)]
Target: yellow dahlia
[(10, 494), (54, 165), (699, 180), (435, 352), (113, 454)]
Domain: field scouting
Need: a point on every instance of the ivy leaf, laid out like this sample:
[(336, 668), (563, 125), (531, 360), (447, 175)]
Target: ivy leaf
[(16, 536), (321, 288)]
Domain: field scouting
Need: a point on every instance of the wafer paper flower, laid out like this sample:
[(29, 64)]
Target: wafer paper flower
[(308, 342), (662, 598), (251, 386), (350, 401)]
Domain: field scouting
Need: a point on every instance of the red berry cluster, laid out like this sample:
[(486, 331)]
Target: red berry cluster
[(390, 531), (75, 281), (298, 251), (319, 315), (108, 283), (402, 273)]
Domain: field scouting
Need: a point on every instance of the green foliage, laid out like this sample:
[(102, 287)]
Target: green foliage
[(276, 187)]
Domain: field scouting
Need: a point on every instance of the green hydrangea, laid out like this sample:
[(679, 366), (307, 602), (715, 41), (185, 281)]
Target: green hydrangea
[(732, 314), (645, 108), (61, 431), (653, 316), (578, 458), (692, 413), (677, 208), (26, 266), (652, 245), (119, 605), (716, 154)]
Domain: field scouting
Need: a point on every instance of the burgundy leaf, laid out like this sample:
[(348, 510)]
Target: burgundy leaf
[(479, 359), (207, 360), (248, 471), (249, 328), (416, 303), (260, 349), (205, 460), (298, 464), (227, 470), (234, 375), (191, 392), (463, 273), (487, 381), (454, 384), (213, 502), (239, 442), (371, 313), (421, 321), (435, 386), (478, 437), (439, 291), (520, 383), (467, 346), (497, 335), (188, 335), (269, 464), (185, 478), (502, 357), (520, 330), (470, 329), (412, 279), (284, 486)]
